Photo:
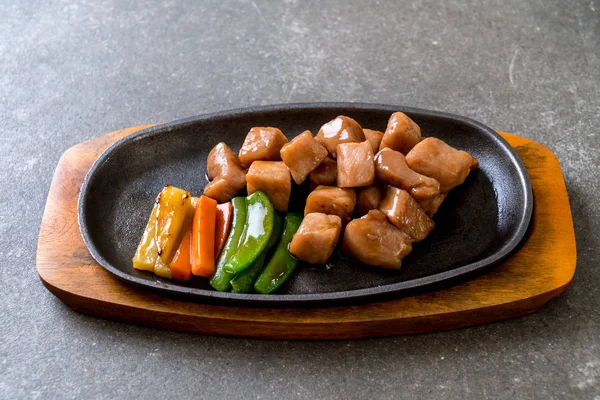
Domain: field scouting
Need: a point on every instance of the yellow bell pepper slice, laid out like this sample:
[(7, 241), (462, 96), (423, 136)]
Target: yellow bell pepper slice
[(147, 252), (172, 214)]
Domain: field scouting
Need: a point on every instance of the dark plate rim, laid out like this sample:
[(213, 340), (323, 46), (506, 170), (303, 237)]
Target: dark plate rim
[(312, 298)]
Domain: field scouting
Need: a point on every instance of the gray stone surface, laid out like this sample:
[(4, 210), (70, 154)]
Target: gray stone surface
[(70, 71)]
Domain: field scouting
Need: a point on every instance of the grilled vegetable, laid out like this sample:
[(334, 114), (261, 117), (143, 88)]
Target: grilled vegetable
[(222, 227), (281, 266), (181, 265), (258, 230), (203, 237), (221, 279), (147, 252), (277, 231), (168, 223), (244, 281)]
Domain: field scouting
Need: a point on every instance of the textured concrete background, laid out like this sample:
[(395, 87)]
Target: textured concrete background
[(70, 71)]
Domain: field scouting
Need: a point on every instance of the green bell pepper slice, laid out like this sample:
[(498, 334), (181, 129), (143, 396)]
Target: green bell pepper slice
[(257, 233), (244, 281), (277, 231), (221, 279), (282, 264)]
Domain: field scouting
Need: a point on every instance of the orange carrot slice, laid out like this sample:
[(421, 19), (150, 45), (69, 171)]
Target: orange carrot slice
[(222, 227), (181, 265), (203, 237)]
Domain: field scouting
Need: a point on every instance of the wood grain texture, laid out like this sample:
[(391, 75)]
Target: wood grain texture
[(541, 269)]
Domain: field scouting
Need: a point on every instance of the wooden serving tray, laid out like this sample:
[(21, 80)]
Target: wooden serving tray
[(541, 269)]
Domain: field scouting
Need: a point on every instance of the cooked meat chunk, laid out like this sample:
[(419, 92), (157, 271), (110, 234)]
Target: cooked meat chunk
[(221, 190), (431, 206), (324, 174), (374, 241), (225, 171), (302, 155), (401, 134), (221, 160), (331, 200), (316, 238), (273, 178), (374, 137), (405, 213), (340, 130), (368, 199), (262, 144), (355, 164), (391, 168), (434, 158)]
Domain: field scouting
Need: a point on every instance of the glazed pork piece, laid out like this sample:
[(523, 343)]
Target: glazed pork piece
[(434, 158), (221, 161), (273, 178), (225, 170), (432, 205), (368, 199), (331, 200), (374, 137), (405, 213), (324, 174), (302, 155), (221, 190), (340, 130), (316, 238), (355, 165), (262, 143), (401, 134), (374, 241), (391, 168)]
